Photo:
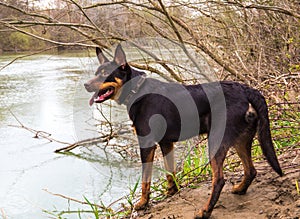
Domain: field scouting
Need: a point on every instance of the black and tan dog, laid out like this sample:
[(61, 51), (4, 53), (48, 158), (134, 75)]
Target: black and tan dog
[(163, 113)]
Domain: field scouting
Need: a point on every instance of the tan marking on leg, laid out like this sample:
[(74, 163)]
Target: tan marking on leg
[(143, 202), (147, 155), (134, 129), (169, 163), (243, 149), (217, 184)]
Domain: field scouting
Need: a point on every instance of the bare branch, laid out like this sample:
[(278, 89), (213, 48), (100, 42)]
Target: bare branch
[(25, 12), (61, 24), (182, 44), (27, 55), (75, 200), (37, 134), (163, 64), (264, 7), (90, 141), (44, 39), (151, 69), (86, 16)]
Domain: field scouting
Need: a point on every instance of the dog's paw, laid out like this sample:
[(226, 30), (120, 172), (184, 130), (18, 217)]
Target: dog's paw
[(172, 190), (142, 204), (238, 190), (202, 214)]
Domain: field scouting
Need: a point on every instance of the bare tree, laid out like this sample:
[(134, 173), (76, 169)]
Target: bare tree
[(249, 41)]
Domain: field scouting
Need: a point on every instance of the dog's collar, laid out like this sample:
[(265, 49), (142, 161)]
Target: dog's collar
[(134, 90)]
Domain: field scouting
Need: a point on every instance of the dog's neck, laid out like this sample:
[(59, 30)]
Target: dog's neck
[(131, 87)]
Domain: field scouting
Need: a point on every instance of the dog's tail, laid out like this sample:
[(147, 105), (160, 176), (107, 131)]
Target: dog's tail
[(264, 135)]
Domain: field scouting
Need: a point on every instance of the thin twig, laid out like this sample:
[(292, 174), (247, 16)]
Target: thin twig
[(38, 134), (179, 37), (27, 55), (70, 146), (74, 200)]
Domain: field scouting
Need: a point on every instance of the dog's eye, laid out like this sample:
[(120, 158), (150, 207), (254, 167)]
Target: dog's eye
[(103, 71)]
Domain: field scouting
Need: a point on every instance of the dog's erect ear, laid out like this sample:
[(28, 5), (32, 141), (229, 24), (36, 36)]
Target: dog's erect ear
[(120, 57), (101, 56)]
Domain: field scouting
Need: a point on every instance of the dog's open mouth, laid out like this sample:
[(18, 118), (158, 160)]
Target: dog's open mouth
[(102, 95)]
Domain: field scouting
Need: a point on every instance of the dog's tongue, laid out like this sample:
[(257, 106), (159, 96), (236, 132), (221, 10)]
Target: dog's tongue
[(92, 99), (100, 98)]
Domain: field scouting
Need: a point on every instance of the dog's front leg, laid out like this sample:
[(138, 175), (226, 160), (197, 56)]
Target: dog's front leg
[(147, 155)]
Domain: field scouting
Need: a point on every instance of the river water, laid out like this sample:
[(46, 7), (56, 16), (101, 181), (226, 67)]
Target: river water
[(45, 92)]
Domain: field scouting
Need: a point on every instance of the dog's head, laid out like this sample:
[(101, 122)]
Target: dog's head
[(109, 77)]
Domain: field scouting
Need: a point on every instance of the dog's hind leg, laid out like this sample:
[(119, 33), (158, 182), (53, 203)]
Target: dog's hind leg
[(168, 153), (244, 152), (147, 156), (217, 183)]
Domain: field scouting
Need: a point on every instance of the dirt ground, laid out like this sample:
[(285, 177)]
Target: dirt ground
[(269, 196)]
